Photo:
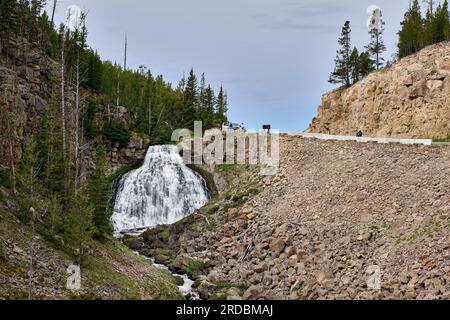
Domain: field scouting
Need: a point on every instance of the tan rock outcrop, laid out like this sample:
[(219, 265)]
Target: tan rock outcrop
[(410, 99)]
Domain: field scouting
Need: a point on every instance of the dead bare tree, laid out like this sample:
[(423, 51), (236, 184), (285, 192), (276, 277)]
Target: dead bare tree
[(63, 94), (77, 121), (31, 249), (430, 4), (9, 120), (53, 11)]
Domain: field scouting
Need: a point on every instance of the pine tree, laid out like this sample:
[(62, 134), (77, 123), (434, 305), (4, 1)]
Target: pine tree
[(354, 66), (221, 107), (376, 46), (440, 26), (210, 101), (366, 65), (342, 70), (411, 35), (98, 190), (79, 227), (28, 184), (190, 101), (446, 18), (8, 20)]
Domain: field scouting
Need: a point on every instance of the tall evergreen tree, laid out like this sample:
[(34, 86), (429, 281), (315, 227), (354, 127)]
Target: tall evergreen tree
[(190, 101), (376, 46), (79, 227), (354, 66), (411, 35), (98, 190), (9, 12), (342, 70), (28, 184), (366, 65), (221, 107), (440, 25)]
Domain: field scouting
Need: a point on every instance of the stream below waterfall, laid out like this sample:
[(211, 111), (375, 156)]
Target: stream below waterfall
[(161, 192)]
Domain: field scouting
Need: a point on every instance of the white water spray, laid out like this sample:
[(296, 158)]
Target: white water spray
[(163, 191)]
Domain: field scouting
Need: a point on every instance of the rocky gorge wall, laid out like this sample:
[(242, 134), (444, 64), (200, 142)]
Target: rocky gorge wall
[(29, 86), (410, 99), (28, 80)]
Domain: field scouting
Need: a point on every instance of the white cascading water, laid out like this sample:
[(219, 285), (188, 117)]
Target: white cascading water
[(163, 191)]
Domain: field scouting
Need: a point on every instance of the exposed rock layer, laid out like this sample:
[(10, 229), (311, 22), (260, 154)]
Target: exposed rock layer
[(410, 99), (29, 86)]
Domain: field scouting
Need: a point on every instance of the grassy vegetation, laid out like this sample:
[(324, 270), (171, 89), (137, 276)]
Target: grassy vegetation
[(4, 177), (164, 235), (222, 287), (243, 182), (195, 268), (109, 271), (441, 140), (226, 168)]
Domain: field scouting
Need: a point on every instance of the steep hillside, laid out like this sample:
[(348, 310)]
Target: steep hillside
[(110, 271), (316, 230), (410, 99)]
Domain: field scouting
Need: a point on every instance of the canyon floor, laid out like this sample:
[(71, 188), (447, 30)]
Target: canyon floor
[(337, 218)]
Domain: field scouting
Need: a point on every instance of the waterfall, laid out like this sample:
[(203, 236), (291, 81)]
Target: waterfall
[(163, 191)]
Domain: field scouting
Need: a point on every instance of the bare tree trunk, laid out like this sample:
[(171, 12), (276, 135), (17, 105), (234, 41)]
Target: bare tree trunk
[(125, 56), (63, 104), (53, 11), (31, 249), (77, 120), (118, 89), (150, 116), (63, 127), (11, 161), (378, 50), (10, 132)]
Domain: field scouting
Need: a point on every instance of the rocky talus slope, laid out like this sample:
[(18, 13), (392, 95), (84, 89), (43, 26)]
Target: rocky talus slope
[(315, 230), (410, 99)]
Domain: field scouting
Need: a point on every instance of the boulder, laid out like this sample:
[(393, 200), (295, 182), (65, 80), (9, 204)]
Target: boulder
[(277, 246), (253, 292), (206, 289)]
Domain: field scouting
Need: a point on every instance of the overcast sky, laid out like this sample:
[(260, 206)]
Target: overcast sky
[(273, 56)]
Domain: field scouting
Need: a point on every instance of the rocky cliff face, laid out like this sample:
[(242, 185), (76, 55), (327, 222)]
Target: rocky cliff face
[(29, 84), (28, 79), (410, 99)]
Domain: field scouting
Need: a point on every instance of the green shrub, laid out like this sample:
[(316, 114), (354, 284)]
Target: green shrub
[(115, 131), (4, 177), (164, 235), (90, 128), (195, 268)]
